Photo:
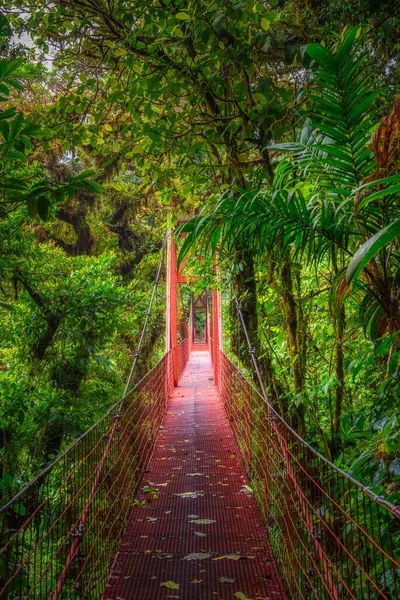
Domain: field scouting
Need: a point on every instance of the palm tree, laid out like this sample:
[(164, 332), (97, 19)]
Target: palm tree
[(320, 209)]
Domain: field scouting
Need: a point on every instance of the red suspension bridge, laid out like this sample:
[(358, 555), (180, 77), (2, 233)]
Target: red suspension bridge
[(193, 487)]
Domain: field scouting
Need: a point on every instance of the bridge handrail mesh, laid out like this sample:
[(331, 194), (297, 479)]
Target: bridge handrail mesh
[(60, 534), (333, 538)]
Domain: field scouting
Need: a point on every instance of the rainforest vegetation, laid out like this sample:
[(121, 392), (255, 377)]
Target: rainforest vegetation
[(272, 130)]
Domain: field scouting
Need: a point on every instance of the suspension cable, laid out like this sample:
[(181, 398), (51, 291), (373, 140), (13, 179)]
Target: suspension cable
[(252, 350), (275, 416), (136, 354), (111, 437)]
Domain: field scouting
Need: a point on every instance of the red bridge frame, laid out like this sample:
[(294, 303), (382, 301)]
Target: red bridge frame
[(213, 329)]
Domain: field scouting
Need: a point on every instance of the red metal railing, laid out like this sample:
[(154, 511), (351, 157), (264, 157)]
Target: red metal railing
[(182, 355), (60, 534), (333, 538)]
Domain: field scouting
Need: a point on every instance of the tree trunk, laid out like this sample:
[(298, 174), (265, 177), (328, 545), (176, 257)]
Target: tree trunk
[(246, 291), (340, 387), (296, 353), (52, 320)]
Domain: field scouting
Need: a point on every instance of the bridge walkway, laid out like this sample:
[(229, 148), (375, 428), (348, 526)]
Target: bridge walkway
[(195, 533)]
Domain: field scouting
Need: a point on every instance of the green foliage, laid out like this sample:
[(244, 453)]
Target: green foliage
[(371, 248), (318, 214), (70, 327), (23, 184), (234, 113)]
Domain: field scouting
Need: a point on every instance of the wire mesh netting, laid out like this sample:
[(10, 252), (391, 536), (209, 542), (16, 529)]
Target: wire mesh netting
[(333, 538), (60, 534)]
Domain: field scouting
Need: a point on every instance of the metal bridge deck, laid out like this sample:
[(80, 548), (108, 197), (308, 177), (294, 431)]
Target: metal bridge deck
[(199, 536)]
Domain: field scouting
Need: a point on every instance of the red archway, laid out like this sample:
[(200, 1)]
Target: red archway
[(213, 330)]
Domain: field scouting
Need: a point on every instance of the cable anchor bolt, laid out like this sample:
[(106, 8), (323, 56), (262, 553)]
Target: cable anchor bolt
[(78, 532)]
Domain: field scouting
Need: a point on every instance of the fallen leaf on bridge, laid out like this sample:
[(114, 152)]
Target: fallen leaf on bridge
[(192, 495), (226, 580), (196, 556), (203, 521), (170, 585)]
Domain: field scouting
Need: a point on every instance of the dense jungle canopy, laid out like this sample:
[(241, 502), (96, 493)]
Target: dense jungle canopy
[(271, 130)]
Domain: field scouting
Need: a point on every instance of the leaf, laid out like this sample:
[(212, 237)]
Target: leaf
[(393, 189), (196, 556), (371, 247), (383, 181), (226, 580), (7, 114), (15, 84), (197, 580), (265, 24), (198, 533), (322, 57), (182, 16), (7, 306), (4, 90), (286, 147), (203, 521), (149, 489), (41, 133), (170, 585), (259, 98), (32, 204), (7, 66), (241, 596), (191, 495)]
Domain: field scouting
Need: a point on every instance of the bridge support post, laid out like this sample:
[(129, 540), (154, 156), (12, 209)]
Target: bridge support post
[(172, 304), (191, 325), (216, 331)]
